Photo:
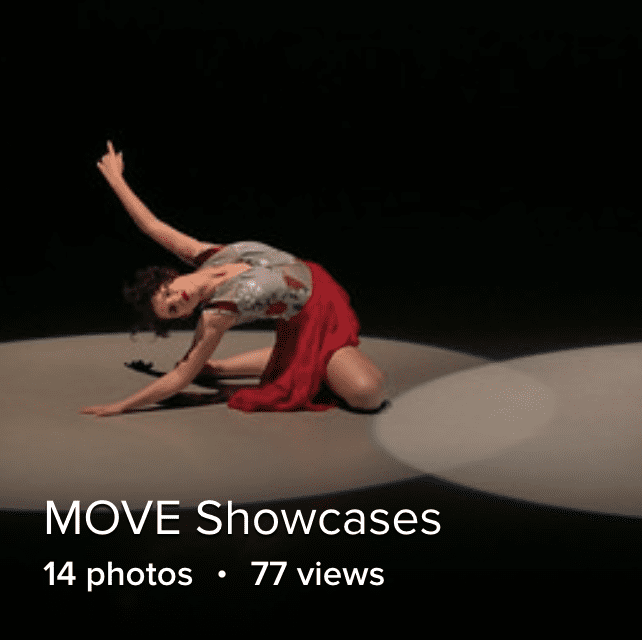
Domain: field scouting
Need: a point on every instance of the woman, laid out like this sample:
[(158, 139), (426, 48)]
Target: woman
[(317, 330)]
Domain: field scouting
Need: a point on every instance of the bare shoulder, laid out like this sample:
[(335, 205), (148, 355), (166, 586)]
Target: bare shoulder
[(200, 247), (200, 251), (184, 246)]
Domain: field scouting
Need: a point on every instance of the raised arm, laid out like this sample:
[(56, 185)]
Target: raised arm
[(186, 248)]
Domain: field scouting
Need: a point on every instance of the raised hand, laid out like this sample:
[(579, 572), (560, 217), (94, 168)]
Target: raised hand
[(111, 165)]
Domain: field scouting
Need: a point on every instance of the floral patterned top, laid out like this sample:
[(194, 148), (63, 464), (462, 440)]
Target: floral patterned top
[(277, 286)]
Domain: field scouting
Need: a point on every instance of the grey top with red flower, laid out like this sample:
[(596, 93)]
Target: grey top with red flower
[(277, 286)]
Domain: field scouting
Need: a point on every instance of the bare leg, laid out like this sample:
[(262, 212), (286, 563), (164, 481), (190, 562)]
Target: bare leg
[(350, 374), (354, 377), (249, 364)]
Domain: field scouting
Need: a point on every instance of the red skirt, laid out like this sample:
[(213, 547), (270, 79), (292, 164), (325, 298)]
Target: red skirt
[(304, 345)]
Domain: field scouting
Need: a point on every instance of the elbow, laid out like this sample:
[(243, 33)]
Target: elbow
[(183, 375)]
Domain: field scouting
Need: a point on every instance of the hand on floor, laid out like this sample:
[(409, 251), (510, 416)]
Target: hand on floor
[(102, 410)]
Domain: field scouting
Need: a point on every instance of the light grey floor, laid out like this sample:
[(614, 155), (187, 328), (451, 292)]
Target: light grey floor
[(189, 454), (561, 428)]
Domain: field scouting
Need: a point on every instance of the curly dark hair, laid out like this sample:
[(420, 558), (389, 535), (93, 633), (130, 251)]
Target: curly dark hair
[(139, 295)]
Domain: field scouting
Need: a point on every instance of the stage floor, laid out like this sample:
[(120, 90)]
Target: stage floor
[(190, 449), (559, 428)]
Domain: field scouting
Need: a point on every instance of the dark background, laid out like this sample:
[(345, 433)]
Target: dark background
[(471, 188)]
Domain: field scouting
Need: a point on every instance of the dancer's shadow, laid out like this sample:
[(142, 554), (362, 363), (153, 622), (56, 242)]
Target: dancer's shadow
[(186, 399)]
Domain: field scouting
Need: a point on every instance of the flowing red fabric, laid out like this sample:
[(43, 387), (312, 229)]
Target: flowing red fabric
[(304, 344)]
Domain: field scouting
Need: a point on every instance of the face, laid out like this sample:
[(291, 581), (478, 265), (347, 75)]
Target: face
[(175, 299)]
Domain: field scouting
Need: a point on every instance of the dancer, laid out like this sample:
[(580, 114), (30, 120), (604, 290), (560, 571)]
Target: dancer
[(317, 329)]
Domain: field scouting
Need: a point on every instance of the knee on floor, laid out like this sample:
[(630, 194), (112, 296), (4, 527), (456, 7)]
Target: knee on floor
[(367, 393)]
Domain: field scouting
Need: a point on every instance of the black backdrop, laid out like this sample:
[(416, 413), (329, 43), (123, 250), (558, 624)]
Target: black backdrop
[(472, 188)]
